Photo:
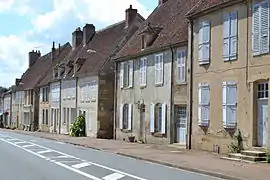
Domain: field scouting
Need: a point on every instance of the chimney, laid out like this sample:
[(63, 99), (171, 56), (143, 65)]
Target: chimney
[(17, 81), (130, 15), (53, 52), (77, 37), (161, 2), (32, 57), (88, 33), (59, 49)]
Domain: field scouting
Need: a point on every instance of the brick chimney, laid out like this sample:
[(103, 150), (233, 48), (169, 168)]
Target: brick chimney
[(161, 2), (32, 57), (77, 37), (53, 53), (17, 81), (88, 33), (130, 15), (59, 49)]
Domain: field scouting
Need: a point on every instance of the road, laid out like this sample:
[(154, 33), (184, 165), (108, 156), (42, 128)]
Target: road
[(30, 158)]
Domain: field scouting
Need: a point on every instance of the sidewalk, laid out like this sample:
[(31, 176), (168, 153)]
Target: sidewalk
[(196, 161)]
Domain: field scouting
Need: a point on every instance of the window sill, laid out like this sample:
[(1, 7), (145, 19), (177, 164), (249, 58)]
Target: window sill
[(181, 83), (158, 134), (126, 131), (203, 124), (204, 62), (126, 88), (142, 86), (229, 60), (159, 84)]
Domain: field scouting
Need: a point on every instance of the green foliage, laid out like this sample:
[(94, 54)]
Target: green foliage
[(78, 127), (268, 156), (237, 146)]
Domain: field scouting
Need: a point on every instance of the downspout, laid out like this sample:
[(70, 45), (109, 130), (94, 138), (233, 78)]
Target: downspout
[(172, 100), (10, 116), (247, 39), (60, 105), (190, 85), (115, 99)]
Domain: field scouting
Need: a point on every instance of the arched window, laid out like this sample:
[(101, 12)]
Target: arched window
[(125, 116)]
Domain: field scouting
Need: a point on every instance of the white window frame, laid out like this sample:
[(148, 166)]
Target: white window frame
[(229, 107), (230, 36), (204, 46), (262, 36), (162, 119), (159, 69), (126, 74), (203, 105), (143, 72), (181, 66), (129, 116)]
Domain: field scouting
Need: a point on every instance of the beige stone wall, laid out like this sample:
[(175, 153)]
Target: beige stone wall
[(214, 74)]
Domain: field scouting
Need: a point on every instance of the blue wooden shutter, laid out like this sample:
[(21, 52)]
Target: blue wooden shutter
[(264, 27), (256, 30), (226, 37), (152, 118), (233, 35)]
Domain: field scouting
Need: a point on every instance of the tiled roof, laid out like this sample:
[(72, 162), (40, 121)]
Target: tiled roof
[(203, 5), (169, 16), (105, 44), (39, 69)]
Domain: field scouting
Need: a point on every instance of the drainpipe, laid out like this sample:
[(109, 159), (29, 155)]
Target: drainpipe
[(190, 85), (115, 99), (172, 100), (247, 59), (60, 106), (10, 114)]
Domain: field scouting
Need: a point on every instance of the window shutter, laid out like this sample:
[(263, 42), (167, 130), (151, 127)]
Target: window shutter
[(152, 118), (122, 75), (130, 116), (226, 36), (157, 61), (264, 27), (229, 104), (204, 104), (224, 103), (181, 66), (206, 40), (200, 50), (161, 68), (163, 119), (141, 72), (130, 82), (199, 104), (121, 117), (233, 35), (256, 30), (40, 94), (145, 72)]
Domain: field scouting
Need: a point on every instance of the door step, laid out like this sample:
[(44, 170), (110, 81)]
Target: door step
[(247, 156)]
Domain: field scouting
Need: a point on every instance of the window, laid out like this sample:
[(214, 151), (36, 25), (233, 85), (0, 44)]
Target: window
[(159, 64), (93, 88), (158, 113), (181, 113), (204, 43), (126, 74), (67, 116), (181, 66), (43, 116), (143, 71), (230, 36), (126, 117), (73, 113), (64, 116), (261, 28), (229, 104), (262, 90), (204, 104), (47, 117), (45, 94)]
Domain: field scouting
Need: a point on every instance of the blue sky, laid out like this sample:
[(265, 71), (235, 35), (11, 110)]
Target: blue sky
[(34, 24)]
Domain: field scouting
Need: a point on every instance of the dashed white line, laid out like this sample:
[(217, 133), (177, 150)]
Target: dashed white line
[(114, 176), (20, 142), (30, 145), (45, 151), (81, 165)]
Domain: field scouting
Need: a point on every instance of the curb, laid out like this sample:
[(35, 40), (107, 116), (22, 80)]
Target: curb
[(190, 169)]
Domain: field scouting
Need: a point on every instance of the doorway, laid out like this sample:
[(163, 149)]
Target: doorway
[(181, 124), (262, 114)]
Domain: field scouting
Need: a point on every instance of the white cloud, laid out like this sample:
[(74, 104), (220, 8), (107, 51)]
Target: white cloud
[(20, 6), (14, 57), (91, 11)]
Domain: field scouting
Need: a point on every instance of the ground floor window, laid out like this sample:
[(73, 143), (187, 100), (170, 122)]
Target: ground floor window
[(262, 90), (125, 122), (158, 116)]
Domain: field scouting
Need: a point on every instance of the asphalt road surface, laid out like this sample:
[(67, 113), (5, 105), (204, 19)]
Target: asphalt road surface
[(25, 157)]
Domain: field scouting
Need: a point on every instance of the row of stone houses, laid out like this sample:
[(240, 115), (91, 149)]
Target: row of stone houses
[(192, 73)]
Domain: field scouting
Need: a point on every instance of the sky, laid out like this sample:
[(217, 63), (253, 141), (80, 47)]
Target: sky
[(35, 24)]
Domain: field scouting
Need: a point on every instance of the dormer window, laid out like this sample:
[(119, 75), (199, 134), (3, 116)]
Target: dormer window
[(55, 73), (148, 35), (79, 62)]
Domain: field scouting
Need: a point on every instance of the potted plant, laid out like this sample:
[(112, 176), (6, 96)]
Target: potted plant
[(131, 138)]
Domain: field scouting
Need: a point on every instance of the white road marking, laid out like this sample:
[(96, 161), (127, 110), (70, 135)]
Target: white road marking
[(20, 142), (30, 145), (45, 151), (114, 176), (56, 157), (81, 165), (70, 156), (13, 139), (59, 142)]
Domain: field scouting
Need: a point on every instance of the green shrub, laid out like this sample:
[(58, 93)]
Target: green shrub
[(237, 146), (78, 127), (268, 156)]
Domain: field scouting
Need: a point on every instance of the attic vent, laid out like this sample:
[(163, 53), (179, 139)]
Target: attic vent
[(149, 34)]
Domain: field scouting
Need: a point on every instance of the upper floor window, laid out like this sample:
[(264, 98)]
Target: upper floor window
[(204, 104), (181, 66), (204, 42), (230, 36), (260, 43), (143, 71), (159, 69), (229, 104), (126, 74)]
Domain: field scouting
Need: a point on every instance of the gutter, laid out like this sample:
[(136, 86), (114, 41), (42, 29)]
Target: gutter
[(172, 99), (115, 99), (247, 58), (60, 105)]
